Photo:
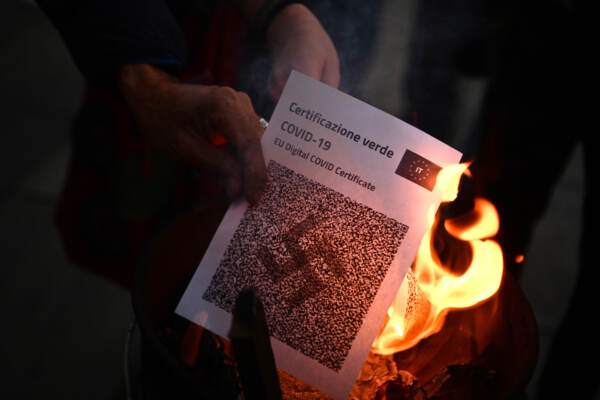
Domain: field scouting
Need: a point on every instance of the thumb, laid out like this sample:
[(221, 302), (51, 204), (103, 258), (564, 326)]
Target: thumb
[(201, 154), (331, 72), (276, 83)]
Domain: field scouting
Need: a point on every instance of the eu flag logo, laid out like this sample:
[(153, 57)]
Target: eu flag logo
[(418, 170)]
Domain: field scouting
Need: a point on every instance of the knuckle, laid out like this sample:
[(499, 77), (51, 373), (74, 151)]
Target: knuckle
[(227, 96), (244, 97), (222, 97)]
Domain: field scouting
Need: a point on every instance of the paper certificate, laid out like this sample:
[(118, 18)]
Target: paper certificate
[(328, 245)]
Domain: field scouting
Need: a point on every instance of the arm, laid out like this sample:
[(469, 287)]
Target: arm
[(108, 38), (179, 118)]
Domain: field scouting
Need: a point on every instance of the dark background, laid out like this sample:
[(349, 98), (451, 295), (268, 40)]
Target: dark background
[(63, 330)]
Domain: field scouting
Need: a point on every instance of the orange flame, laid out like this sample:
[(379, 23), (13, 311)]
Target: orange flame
[(442, 289)]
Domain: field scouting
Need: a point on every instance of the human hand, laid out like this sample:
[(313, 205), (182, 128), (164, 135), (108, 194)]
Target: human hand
[(298, 41), (178, 120)]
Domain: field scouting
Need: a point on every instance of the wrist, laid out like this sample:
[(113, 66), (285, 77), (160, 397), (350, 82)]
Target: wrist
[(137, 80)]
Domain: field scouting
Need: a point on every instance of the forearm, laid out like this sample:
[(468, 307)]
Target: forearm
[(103, 35)]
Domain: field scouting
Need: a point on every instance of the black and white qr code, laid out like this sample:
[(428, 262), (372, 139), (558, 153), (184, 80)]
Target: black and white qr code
[(316, 258)]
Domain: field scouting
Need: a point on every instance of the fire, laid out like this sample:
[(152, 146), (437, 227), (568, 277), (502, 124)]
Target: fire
[(439, 289)]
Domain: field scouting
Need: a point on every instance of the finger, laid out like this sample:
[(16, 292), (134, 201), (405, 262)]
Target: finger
[(276, 83), (274, 89), (331, 72), (199, 153), (254, 178), (244, 131), (252, 166)]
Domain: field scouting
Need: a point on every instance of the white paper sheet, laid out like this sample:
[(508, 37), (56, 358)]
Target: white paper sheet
[(330, 242)]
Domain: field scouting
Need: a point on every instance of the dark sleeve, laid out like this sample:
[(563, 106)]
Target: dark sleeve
[(103, 35)]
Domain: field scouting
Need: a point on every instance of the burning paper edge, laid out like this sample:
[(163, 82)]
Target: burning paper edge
[(441, 289)]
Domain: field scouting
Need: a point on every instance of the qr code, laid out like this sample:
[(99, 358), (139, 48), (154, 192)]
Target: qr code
[(316, 258)]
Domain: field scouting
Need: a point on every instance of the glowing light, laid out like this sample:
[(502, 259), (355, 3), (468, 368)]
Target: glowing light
[(443, 289)]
